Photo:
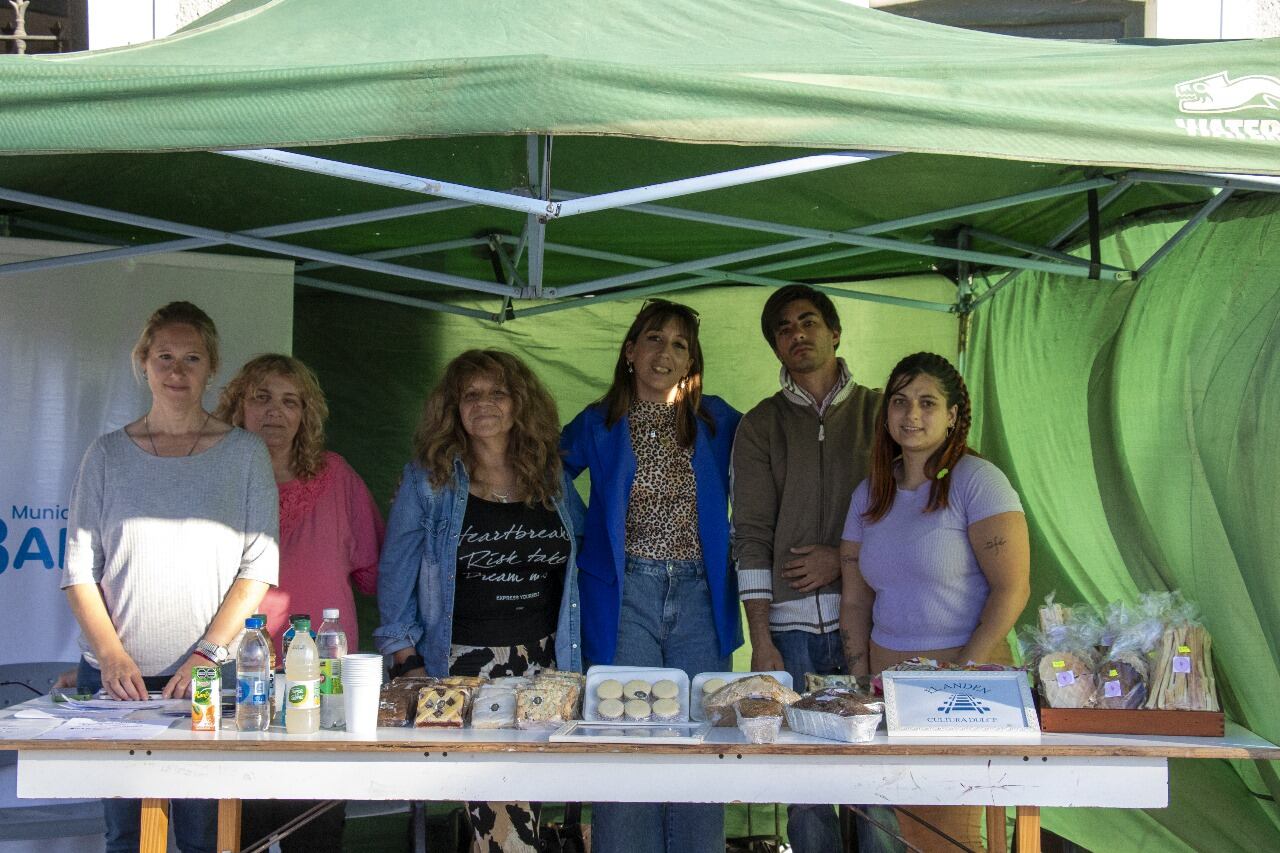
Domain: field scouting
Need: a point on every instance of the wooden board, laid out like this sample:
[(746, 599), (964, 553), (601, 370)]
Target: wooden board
[(1133, 722)]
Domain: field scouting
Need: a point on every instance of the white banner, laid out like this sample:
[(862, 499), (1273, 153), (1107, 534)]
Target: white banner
[(66, 377)]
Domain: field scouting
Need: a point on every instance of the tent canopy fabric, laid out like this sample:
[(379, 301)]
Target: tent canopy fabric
[(560, 99), (807, 73)]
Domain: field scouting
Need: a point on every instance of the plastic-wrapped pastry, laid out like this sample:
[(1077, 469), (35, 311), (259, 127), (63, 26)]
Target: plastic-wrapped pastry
[(1067, 679), (637, 710), (637, 688), (398, 701), (494, 707), (442, 707), (472, 681), (545, 705)]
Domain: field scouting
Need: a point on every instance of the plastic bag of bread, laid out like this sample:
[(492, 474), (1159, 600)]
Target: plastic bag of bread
[(720, 705), (1123, 673), (814, 682), (1182, 676)]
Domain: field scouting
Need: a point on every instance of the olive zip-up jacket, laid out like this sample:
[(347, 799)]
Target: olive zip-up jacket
[(793, 475)]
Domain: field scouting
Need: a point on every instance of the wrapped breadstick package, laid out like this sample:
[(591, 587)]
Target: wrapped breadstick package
[(1064, 649), (1182, 674)]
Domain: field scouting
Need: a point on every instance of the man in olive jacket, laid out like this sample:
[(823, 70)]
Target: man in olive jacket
[(796, 459)]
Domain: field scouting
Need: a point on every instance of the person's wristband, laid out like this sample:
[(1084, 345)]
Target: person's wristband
[(411, 662)]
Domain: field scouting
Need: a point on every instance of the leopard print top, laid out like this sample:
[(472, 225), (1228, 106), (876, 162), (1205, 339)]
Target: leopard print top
[(662, 517)]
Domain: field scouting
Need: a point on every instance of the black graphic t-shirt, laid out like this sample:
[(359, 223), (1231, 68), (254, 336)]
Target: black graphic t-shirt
[(510, 574)]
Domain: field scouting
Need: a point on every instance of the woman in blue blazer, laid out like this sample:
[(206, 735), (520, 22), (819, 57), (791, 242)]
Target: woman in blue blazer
[(655, 580)]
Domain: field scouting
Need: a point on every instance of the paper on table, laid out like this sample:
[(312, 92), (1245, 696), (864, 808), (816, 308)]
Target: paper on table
[(99, 709), (11, 729), (83, 728)]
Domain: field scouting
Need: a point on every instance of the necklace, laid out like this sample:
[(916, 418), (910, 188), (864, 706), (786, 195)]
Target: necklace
[(502, 497), (146, 421)]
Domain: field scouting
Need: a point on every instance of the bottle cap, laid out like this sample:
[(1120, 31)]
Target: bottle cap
[(302, 623), (254, 622), (331, 613)]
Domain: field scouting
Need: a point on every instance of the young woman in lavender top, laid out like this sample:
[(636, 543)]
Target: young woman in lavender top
[(935, 558)]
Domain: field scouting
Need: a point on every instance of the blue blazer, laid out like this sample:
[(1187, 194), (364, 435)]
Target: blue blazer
[(588, 445)]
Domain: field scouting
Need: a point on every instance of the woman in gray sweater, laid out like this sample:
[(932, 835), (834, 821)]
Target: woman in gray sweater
[(171, 542)]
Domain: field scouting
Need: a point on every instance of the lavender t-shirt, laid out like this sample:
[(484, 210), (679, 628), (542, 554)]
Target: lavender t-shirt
[(929, 588)]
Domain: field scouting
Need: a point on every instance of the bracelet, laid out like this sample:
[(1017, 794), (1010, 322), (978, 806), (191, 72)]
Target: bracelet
[(412, 662)]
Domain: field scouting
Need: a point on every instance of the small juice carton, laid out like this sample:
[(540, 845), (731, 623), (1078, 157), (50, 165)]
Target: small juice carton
[(206, 698)]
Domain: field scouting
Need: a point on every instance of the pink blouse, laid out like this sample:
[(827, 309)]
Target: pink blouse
[(330, 536)]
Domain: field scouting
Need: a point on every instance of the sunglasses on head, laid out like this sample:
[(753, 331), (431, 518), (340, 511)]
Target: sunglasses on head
[(676, 307)]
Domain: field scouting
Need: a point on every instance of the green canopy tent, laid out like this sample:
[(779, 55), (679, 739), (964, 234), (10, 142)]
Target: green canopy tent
[(503, 161)]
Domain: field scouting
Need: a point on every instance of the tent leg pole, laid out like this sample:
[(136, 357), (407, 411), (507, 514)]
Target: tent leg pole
[(1190, 225), (964, 303)]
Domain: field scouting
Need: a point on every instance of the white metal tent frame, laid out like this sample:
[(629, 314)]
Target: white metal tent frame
[(523, 259)]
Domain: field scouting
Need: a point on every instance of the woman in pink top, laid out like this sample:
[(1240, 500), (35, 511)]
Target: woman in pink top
[(330, 527), (330, 536)]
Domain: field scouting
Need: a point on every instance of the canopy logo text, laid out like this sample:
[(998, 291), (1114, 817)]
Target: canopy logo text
[(1218, 93)]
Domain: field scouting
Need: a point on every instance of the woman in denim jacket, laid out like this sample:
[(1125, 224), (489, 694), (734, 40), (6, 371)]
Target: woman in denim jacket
[(656, 582), (478, 574)]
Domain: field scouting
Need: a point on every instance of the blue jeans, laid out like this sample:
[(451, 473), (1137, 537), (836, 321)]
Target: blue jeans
[(665, 622), (195, 822), (815, 828)]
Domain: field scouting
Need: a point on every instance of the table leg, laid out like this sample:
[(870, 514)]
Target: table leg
[(228, 826), (996, 840), (1027, 829), (154, 836)]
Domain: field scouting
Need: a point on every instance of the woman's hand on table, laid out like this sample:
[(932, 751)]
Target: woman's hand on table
[(121, 677), (179, 686)]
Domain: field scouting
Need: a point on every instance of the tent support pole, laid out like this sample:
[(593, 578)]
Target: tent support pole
[(715, 181), (553, 210), (878, 243), (508, 262), (964, 301), (1043, 251), (1060, 238), (1262, 183), (386, 178), (241, 240), (538, 153), (405, 252), (394, 298), (722, 277), (193, 244), (1190, 225)]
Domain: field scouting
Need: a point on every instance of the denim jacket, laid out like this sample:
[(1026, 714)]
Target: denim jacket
[(419, 558), (587, 444)]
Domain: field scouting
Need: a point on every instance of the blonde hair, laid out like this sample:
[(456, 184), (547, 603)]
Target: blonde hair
[(176, 314), (533, 447), (307, 453)]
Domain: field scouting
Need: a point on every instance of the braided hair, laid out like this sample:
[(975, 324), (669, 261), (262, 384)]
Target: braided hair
[(885, 451)]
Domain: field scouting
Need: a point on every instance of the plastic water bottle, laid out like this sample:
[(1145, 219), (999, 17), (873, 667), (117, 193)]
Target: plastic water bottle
[(302, 682), (332, 643), (271, 647), (292, 631), (253, 679)]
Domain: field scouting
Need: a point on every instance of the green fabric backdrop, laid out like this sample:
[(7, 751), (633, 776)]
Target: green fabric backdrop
[(1138, 422), (1141, 425)]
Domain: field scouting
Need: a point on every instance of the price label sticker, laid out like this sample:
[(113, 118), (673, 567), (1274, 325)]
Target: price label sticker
[(1059, 664), (1111, 689), (1113, 673), (1184, 650), (1066, 679), (1181, 663)]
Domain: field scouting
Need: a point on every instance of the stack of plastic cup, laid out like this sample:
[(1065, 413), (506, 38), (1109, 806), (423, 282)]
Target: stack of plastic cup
[(361, 683)]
